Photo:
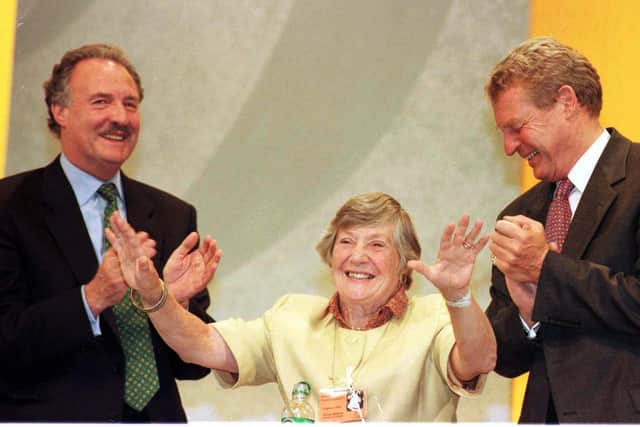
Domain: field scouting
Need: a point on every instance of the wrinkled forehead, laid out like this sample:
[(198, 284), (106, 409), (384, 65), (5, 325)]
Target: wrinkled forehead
[(95, 75), (512, 105)]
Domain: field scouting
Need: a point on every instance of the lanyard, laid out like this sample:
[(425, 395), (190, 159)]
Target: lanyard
[(352, 372)]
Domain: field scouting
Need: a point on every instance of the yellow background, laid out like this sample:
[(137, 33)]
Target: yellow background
[(7, 34), (606, 32)]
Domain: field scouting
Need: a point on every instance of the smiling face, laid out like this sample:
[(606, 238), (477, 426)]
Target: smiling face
[(99, 126), (540, 136), (365, 265)]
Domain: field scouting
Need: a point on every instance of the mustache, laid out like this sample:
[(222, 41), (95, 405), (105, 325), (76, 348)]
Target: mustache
[(118, 128)]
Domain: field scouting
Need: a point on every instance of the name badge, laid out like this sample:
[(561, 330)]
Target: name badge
[(340, 405)]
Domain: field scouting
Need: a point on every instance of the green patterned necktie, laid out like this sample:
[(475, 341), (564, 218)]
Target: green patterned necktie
[(141, 373)]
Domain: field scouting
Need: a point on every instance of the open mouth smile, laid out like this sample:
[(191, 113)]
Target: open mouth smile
[(359, 275)]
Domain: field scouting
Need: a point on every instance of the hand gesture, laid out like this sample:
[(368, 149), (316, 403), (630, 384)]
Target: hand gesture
[(108, 286), (519, 247), (130, 249), (188, 272), (451, 272)]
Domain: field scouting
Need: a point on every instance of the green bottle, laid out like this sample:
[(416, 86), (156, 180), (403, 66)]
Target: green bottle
[(299, 410)]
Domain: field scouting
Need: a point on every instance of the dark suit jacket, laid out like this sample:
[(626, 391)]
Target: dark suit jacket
[(52, 368), (587, 354)]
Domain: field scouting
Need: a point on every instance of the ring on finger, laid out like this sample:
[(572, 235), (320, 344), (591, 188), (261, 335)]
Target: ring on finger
[(467, 245), (493, 259)]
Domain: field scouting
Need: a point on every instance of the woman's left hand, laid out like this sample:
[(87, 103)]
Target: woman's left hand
[(451, 272)]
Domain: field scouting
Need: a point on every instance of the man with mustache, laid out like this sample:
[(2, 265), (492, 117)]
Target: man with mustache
[(565, 290), (72, 346)]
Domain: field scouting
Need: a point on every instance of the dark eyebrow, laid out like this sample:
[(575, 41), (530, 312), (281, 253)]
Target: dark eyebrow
[(511, 123), (100, 95)]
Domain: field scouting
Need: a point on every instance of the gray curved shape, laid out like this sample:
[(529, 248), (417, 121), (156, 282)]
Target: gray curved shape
[(37, 19), (295, 131)]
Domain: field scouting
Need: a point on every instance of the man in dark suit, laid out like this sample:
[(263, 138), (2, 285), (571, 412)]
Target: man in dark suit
[(62, 352), (565, 290)]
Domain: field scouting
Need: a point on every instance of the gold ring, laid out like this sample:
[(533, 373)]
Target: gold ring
[(467, 245)]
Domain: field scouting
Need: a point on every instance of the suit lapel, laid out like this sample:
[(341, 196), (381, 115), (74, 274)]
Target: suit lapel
[(598, 196), (66, 224)]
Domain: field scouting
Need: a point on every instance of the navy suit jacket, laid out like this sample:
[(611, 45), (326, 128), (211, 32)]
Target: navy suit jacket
[(587, 353), (52, 368)]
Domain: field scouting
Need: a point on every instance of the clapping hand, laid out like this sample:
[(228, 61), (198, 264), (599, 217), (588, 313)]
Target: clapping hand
[(519, 247), (186, 273), (130, 253)]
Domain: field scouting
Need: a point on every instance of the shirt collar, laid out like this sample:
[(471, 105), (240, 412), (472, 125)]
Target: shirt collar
[(581, 172), (395, 306), (85, 185)]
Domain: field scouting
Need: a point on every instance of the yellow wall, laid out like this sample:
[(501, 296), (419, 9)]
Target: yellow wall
[(607, 33), (7, 36)]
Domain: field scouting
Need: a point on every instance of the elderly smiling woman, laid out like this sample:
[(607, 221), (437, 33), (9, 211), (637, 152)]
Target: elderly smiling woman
[(407, 358)]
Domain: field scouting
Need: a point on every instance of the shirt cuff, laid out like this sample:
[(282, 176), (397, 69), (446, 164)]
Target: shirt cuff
[(532, 332), (93, 321)]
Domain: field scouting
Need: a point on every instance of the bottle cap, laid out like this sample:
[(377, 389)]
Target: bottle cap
[(301, 388)]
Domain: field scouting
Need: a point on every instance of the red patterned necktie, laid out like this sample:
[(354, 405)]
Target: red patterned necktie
[(559, 214)]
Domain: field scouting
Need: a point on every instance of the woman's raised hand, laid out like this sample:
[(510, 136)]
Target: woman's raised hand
[(451, 272)]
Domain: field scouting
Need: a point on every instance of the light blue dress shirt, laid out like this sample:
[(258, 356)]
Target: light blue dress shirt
[(92, 207)]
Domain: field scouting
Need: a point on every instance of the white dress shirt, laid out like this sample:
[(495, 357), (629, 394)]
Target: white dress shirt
[(579, 175)]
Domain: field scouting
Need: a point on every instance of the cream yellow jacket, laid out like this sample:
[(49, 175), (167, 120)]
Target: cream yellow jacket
[(402, 365)]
